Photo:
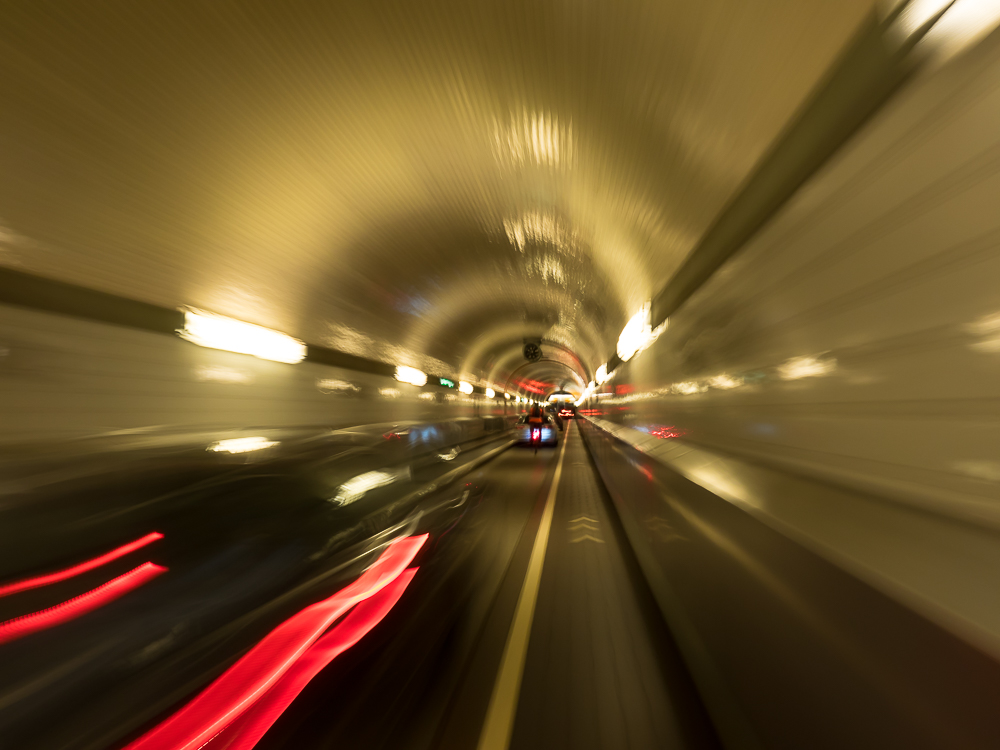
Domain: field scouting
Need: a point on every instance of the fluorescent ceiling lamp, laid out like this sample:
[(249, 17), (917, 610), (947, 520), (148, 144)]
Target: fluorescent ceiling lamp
[(490, 393), (634, 335), (410, 375), (241, 445), (219, 332), (963, 23), (464, 387)]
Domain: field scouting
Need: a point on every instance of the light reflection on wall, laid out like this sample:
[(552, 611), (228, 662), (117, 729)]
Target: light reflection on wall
[(535, 138), (987, 331), (218, 374), (725, 382), (806, 367), (333, 385), (536, 227)]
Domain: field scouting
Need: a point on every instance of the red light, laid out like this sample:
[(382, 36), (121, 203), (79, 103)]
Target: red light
[(236, 689), (664, 432), (62, 575), (245, 732), (533, 386), (80, 605)]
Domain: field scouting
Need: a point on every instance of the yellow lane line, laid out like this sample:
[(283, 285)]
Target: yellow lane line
[(503, 703)]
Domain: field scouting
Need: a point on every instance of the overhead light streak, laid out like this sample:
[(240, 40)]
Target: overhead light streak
[(725, 382), (688, 388), (638, 334), (806, 367), (219, 332), (587, 393), (241, 445), (410, 375)]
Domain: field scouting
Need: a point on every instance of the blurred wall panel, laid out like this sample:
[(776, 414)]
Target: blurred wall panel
[(807, 460), (858, 337), (62, 378)]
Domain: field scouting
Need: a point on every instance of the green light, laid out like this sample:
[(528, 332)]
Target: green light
[(447, 383)]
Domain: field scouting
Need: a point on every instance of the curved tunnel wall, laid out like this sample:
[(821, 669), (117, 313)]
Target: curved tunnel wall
[(806, 460), (857, 338), (65, 377)]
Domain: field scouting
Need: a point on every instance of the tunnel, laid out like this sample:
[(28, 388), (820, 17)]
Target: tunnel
[(501, 375)]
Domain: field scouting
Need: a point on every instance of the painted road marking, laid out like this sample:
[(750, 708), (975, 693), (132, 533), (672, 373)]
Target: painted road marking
[(585, 524), (499, 722)]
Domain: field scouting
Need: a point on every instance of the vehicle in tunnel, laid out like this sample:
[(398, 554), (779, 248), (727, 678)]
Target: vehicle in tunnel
[(196, 545), (536, 431)]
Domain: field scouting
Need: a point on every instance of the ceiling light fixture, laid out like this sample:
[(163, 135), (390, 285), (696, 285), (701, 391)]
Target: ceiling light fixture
[(219, 332), (410, 375)]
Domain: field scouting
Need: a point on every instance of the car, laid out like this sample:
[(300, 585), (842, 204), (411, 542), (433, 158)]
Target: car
[(536, 433)]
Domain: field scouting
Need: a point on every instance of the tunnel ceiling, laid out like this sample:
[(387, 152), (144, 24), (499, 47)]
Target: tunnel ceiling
[(424, 183)]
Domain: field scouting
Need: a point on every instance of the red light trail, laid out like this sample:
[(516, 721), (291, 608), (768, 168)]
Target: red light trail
[(62, 575), (245, 732), (257, 671), (80, 605)]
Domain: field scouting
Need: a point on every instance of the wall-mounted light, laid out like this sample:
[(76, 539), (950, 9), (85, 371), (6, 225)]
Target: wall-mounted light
[(634, 335), (490, 393), (241, 445), (506, 396), (602, 374), (464, 387), (410, 375), (219, 332)]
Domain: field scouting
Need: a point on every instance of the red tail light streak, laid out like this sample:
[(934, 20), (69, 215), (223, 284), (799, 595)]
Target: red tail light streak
[(237, 689), (80, 605), (245, 732), (62, 575)]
